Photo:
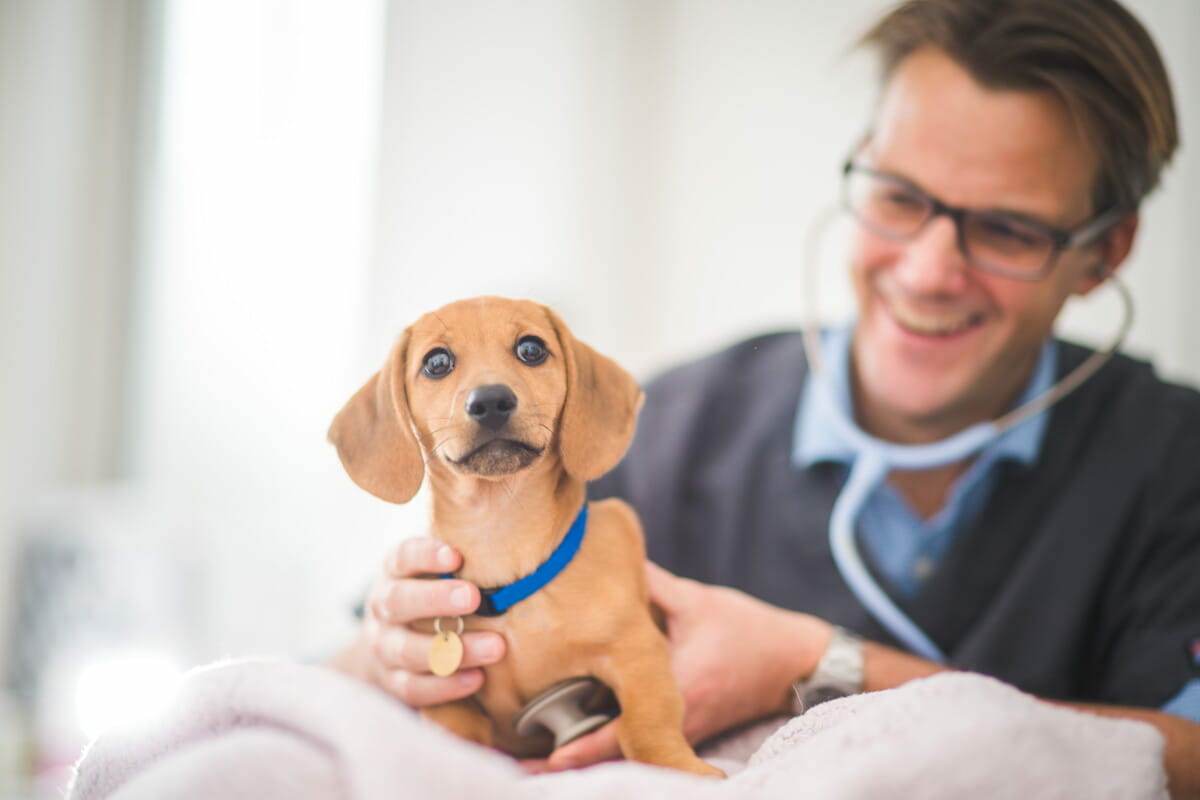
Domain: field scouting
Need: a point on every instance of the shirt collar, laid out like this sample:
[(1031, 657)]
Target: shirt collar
[(815, 439)]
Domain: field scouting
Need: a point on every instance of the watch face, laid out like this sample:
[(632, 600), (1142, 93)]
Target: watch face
[(821, 694)]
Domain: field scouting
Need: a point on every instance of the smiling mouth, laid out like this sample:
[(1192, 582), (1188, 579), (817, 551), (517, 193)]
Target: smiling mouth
[(498, 457), (933, 323)]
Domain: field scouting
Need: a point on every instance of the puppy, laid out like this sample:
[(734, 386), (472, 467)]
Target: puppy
[(508, 416)]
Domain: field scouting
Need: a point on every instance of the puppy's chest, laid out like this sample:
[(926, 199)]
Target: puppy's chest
[(547, 643), (541, 632)]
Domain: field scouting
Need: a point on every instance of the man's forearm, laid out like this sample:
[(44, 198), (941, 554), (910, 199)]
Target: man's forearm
[(886, 668)]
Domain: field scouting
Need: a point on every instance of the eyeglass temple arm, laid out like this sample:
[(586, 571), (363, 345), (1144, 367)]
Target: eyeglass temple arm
[(1089, 233)]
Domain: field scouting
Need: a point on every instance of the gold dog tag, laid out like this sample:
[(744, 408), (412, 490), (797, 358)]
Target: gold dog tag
[(446, 652)]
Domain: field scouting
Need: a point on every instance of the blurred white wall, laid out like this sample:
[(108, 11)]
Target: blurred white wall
[(646, 167), (316, 174), (252, 308)]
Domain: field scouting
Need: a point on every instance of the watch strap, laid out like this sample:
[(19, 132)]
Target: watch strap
[(839, 673)]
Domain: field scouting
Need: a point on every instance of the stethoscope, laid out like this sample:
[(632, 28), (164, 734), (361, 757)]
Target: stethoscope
[(876, 457)]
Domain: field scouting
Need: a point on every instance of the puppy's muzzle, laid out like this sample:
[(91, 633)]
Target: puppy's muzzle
[(490, 406), (497, 448)]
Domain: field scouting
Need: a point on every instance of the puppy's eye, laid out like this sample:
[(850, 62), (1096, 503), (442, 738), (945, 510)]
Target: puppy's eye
[(438, 363), (531, 350)]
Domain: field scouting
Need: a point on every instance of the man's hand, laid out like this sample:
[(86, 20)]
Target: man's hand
[(734, 657), (391, 655)]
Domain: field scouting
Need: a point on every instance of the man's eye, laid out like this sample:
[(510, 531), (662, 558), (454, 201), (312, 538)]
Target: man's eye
[(903, 199), (531, 350), (1010, 233), (438, 363)]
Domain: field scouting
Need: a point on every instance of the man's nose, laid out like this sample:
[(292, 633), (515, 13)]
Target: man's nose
[(491, 405), (932, 261)]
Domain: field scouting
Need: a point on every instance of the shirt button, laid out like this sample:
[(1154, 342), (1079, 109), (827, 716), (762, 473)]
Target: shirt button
[(922, 567)]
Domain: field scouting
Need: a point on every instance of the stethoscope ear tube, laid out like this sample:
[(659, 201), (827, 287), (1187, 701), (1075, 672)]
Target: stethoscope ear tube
[(815, 236), (875, 458)]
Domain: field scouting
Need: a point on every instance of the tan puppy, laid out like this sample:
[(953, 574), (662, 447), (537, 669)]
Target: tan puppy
[(509, 415)]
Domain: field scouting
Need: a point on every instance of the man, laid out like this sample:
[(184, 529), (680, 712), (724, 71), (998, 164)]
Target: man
[(1001, 175)]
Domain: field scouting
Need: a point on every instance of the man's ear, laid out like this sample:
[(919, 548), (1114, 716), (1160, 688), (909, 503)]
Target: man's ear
[(1111, 251), (374, 436), (600, 410)]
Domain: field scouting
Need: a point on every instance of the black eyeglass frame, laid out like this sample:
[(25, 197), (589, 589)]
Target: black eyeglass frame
[(1085, 234)]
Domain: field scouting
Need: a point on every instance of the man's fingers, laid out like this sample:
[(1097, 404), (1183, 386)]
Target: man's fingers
[(667, 591), (400, 648), (535, 766), (421, 555), (422, 689), (597, 746), (400, 601)]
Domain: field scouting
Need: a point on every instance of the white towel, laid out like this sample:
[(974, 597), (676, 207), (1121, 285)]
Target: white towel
[(266, 730)]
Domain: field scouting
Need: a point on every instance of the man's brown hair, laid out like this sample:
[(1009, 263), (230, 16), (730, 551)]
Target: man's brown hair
[(1093, 54)]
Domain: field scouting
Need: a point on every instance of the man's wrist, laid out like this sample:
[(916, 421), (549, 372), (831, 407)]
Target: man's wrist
[(840, 671)]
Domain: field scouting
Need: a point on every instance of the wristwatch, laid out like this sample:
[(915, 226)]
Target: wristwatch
[(838, 673)]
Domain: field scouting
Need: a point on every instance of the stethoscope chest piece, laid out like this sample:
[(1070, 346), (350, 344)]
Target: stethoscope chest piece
[(563, 711)]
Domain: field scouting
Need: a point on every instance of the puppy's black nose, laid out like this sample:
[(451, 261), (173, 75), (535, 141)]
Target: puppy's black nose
[(491, 405)]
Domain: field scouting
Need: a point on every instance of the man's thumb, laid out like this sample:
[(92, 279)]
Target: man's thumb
[(665, 588), (599, 745)]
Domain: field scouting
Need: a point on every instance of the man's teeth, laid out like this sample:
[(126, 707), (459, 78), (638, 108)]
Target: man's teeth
[(934, 324)]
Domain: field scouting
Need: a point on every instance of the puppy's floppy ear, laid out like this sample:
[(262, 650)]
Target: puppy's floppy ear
[(600, 410), (374, 437)]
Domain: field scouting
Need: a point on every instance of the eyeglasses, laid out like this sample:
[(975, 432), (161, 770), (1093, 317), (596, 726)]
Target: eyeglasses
[(993, 241)]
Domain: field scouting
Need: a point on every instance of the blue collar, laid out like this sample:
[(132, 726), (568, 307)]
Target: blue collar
[(815, 440), (494, 602)]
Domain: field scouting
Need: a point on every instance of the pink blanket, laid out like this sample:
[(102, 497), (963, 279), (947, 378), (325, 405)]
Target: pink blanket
[(265, 730)]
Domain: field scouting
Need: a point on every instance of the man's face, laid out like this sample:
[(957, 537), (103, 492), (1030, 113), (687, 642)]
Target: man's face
[(940, 344)]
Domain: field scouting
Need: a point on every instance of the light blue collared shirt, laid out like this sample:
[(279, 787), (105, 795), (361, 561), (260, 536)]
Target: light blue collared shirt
[(1186, 704), (902, 547)]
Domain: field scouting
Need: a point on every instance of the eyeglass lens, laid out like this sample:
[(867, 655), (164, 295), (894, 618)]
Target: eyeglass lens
[(990, 240)]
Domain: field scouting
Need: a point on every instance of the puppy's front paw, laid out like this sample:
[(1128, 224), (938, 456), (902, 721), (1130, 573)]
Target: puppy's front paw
[(699, 766)]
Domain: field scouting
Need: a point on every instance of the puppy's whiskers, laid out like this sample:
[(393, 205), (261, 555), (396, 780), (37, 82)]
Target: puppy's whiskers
[(513, 496), (433, 432), (437, 447)]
